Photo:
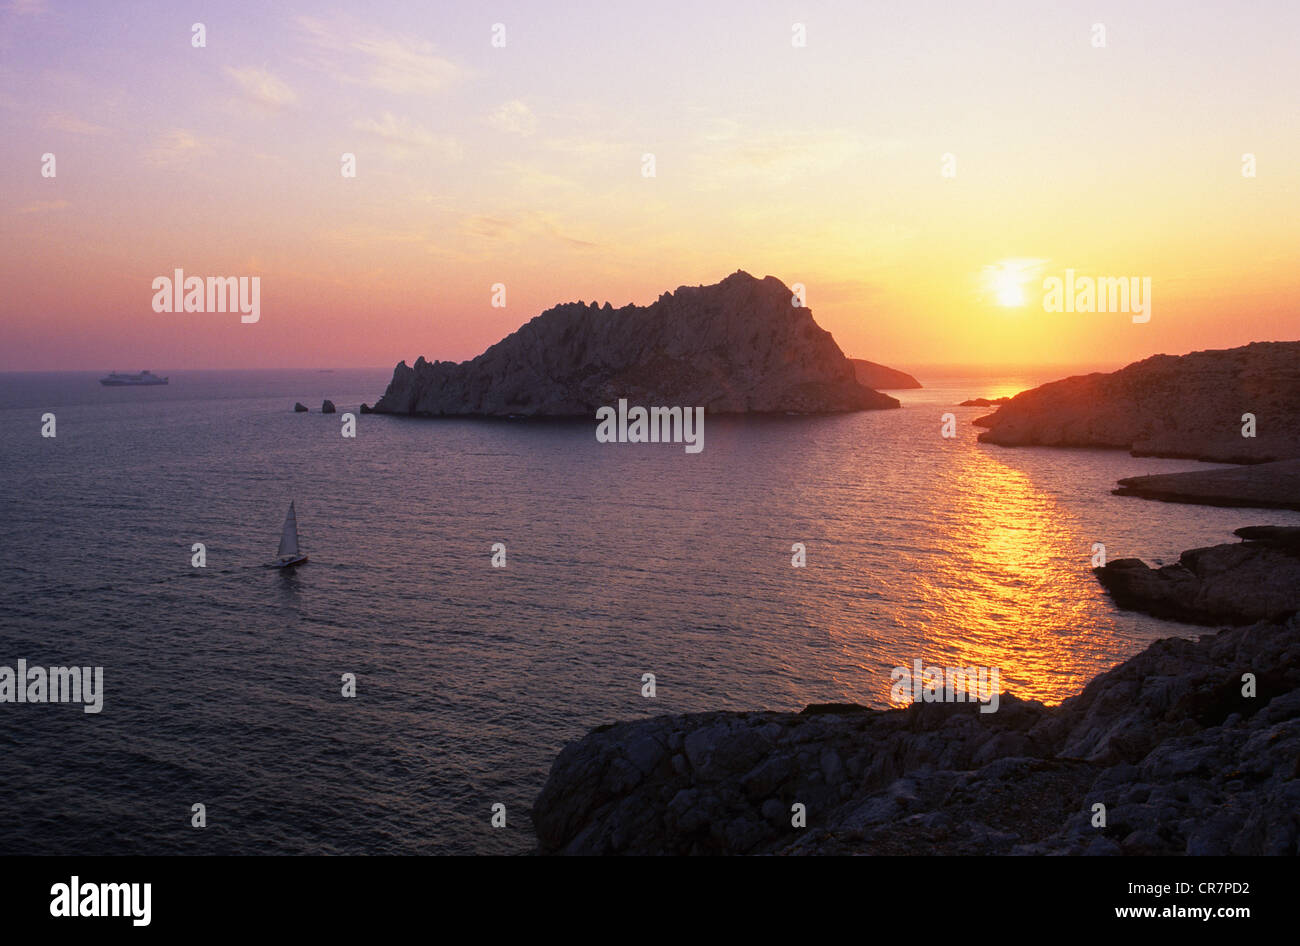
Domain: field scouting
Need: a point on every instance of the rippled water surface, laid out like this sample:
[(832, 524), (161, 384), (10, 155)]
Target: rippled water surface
[(223, 683)]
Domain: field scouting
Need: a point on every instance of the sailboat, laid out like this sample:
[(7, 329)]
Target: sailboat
[(288, 555)]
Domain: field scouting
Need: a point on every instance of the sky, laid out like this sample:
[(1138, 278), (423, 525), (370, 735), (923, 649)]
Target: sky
[(921, 168)]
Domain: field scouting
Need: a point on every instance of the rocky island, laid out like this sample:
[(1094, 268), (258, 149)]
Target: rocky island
[(1191, 406), (739, 346)]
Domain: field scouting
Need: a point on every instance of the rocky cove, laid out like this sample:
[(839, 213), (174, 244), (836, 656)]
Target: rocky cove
[(1190, 747)]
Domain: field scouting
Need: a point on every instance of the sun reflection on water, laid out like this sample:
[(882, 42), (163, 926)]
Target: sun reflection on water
[(1007, 585)]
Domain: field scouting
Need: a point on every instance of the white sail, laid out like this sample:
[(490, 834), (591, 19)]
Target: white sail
[(289, 537)]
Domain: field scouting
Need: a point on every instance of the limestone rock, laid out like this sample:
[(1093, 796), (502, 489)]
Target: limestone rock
[(1273, 485), (1168, 406), (1235, 583), (1184, 762), (735, 347)]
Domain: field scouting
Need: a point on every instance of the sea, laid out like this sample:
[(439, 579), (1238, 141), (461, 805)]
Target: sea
[(224, 685)]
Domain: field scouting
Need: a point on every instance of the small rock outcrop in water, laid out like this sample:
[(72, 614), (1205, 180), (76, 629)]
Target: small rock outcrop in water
[(300, 408), (984, 402), (1183, 762), (1273, 485), (1168, 406), (735, 347), (1278, 537), (1237, 583), (327, 407), (872, 375), (365, 409)]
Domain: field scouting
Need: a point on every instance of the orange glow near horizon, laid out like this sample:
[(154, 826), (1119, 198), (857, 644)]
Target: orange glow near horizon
[(522, 166)]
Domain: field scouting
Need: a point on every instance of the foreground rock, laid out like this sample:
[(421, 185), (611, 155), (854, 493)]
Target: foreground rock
[(1263, 486), (881, 378), (735, 347), (1237, 583), (1183, 762), (300, 408), (1166, 406), (327, 407)]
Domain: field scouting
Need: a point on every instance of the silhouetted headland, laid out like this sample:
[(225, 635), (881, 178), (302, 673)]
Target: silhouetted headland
[(1191, 406), (1273, 485), (882, 378), (740, 346)]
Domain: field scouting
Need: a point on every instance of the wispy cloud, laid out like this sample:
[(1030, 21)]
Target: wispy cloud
[(722, 129), (517, 228), (729, 154), (262, 88), (42, 206), (62, 121), (784, 155), (175, 147), (513, 118), (540, 184), (394, 62), (592, 148), (404, 138)]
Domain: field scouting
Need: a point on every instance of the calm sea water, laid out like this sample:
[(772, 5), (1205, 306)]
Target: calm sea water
[(223, 683)]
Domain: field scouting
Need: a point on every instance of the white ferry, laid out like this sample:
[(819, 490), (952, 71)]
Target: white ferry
[(116, 379)]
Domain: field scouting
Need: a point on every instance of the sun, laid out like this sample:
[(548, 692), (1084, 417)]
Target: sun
[(1010, 292), (1004, 281)]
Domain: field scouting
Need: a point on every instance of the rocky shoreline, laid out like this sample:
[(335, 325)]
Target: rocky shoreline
[(1273, 485), (1184, 761), (1257, 579)]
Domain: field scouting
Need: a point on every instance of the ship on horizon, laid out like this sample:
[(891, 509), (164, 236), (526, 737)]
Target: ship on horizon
[(118, 379)]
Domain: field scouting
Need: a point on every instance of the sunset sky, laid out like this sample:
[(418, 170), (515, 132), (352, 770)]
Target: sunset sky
[(522, 165)]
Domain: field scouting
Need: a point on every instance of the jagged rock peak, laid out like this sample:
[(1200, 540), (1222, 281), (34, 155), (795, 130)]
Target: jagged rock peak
[(737, 346)]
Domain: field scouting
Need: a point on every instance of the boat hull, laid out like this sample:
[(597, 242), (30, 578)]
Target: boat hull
[(290, 563)]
